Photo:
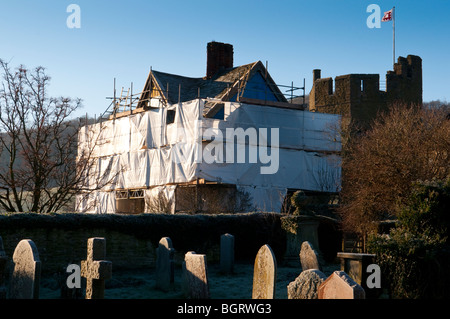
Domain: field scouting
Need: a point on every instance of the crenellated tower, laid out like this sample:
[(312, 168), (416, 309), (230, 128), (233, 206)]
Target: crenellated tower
[(358, 97)]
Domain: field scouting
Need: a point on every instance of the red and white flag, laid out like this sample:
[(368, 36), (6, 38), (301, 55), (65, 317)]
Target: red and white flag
[(387, 16)]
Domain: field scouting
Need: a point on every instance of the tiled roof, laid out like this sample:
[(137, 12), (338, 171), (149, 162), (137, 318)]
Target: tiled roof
[(175, 88), (191, 87)]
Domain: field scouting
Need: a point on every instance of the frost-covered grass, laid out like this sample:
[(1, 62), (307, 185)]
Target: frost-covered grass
[(140, 283)]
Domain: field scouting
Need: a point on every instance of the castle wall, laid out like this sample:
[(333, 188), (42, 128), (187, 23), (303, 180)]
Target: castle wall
[(358, 96)]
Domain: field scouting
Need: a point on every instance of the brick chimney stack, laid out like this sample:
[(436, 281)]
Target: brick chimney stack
[(219, 56), (316, 75)]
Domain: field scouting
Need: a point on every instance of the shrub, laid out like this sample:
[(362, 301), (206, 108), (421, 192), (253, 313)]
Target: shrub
[(379, 166), (415, 256), (427, 210)]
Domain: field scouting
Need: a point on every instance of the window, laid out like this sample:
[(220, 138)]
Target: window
[(136, 193), (121, 194), (170, 116), (130, 201)]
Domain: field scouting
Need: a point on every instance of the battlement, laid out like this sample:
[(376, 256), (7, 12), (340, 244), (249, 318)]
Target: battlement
[(405, 82), (409, 66), (360, 96)]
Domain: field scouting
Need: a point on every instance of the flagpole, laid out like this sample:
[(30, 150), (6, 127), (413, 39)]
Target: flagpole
[(393, 34)]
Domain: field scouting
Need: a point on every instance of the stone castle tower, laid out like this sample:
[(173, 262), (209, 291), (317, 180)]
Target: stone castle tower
[(358, 96)]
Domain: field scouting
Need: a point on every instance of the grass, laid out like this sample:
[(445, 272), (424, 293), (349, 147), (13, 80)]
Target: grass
[(140, 283)]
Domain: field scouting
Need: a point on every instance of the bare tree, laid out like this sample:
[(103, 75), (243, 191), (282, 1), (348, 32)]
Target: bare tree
[(406, 144), (39, 169)]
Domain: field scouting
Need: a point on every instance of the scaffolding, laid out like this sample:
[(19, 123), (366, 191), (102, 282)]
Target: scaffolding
[(128, 101)]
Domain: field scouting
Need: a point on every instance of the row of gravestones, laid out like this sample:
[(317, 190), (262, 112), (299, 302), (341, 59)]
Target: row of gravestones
[(26, 270), (195, 272), (194, 267), (312, 283)]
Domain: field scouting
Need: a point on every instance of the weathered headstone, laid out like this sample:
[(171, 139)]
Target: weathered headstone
[(264, 274), (196, 276), (226, 253), (164, 264), (95, 269), (3, 270), (309, 259), (27, 271), (306, 285), (340, 286)]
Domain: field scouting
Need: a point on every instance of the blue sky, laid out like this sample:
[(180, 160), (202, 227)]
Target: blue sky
[(123, 39)]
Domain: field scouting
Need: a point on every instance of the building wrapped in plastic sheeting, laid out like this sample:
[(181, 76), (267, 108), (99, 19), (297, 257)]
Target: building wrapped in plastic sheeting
[(172, 158)]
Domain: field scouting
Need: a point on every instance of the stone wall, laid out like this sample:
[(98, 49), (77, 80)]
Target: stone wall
[(359, 96), (58, 248), (131, 240), (404, 83)]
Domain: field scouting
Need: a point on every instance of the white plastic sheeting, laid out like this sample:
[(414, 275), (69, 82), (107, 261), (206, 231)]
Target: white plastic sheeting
[(307, 153), (98, 202), (168, 191), (142, 151)]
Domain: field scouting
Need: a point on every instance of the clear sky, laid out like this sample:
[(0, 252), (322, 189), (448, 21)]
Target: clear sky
[(123, 39)]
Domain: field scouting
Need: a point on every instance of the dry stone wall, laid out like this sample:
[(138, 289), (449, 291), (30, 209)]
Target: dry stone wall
[(133, 240)]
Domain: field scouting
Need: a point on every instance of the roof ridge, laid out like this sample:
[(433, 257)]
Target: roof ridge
[(177, 75)]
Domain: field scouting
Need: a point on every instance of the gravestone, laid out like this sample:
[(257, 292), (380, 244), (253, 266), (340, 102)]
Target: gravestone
[(27, 271), (306, 285), (195, 274), (164, 264), (95, 269), (3, 270), (309, 258), (264, 274), (226, 253), (340, 286), (355, 265)]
